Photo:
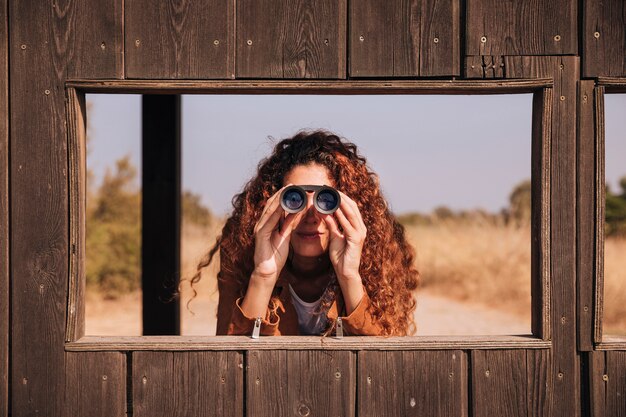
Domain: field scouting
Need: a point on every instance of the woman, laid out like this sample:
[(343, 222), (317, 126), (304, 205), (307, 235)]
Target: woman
[(297, 273)]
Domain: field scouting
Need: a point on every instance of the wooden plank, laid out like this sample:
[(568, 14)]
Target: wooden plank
[(540, 225), (600, 208), (287, 383), (597, 383), (4, 210), (484, 66), (291, 39), (565, 71), (539, 382), (160, 214), (604, 38), (499, 383), (432, 383), (187, 384), (101, 343), (616, 384), (95, 384), (97, 49), (180, 39), (404, 38), (586, 203), (497, 27), (77, 144), (313, 87), (39, 205)]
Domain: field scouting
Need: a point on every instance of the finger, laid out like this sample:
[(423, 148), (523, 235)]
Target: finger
[(348, 229), (351, 212), (288, 224), (332, 225), (268, 225), (273, 200)]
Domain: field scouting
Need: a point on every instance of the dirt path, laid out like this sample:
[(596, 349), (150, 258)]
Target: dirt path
[(435, 315)]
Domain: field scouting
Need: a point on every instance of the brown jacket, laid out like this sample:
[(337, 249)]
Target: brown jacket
[(282, 319)]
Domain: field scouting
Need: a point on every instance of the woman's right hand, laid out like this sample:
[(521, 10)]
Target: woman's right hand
[(272, 241)]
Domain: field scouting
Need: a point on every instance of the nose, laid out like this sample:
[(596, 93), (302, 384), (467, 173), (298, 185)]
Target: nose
[(311, 212)]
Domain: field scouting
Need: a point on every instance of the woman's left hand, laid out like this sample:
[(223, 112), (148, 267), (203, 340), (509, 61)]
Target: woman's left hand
[(345, 248)]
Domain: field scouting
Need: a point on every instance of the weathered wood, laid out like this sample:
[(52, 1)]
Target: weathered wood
[(405, 383), (4, 210), (160, 214), (312, 87), (497, 27), (600, 209), (180, 39), (565, 71), (187, 384), (97, 39), (597, 384), (613, 85), (586, 203), (612, 343), (511, 383), (604, 38), (291, 39), (539, 382), (484, 66), (101, 343), (77, 144), (95, 384), (404, 38), (38, 204), (616, 384), (540, 224), (287, 383)]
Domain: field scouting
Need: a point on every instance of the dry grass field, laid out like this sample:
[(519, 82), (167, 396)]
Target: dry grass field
[(475, 279)]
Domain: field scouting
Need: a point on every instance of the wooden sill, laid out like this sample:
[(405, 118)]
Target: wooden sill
[(612, 343), (223, 343)]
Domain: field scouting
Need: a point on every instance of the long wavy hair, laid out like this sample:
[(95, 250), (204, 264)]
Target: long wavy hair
[(387, 260)]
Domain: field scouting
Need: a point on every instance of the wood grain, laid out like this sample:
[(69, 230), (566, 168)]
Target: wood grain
[(540, 225), (600, 203), (39, 205), (597, 385), (352, 87), (431, 383), (499, 383), (77, 152), (97, 39), (404, 38), (189, 343), (179, 39), (187, 384), (95, 384), (616, 384), (160, 213), (497, 27), (604, 38), (4, 210), (291, 39), (484, 66), (586, 203), (288, 383)]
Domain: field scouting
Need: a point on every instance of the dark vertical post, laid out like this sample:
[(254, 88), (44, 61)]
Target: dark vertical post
[(160, 208)]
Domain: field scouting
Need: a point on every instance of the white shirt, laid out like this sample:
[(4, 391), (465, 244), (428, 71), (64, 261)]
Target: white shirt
[(308, 321)]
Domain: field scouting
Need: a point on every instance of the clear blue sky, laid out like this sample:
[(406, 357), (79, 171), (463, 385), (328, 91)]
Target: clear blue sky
[(463, 152)]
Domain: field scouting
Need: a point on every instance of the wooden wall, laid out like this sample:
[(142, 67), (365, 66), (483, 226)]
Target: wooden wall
[(49, 42)]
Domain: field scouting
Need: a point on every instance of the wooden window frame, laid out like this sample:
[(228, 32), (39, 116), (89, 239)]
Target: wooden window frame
[(540, 241), (604, 85)]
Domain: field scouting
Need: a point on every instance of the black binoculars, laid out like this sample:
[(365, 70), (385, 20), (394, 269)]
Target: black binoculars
[(326, 199)]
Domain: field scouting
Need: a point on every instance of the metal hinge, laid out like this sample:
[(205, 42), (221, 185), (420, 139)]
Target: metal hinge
[(339, 329), (257, 328)]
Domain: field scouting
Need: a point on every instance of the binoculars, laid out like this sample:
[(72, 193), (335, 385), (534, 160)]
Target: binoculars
[(326, 199)]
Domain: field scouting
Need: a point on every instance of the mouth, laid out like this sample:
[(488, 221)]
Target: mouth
[(308, 235)]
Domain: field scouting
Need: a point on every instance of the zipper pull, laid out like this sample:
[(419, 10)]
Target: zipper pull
[(339, 329), (257, 328)]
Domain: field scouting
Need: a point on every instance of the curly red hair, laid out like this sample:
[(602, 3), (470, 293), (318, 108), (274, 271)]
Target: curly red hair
[(387, 259)]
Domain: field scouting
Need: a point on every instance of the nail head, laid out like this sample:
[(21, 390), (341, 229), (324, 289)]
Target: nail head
[(436, 40), (557, 38), (483, 39), (596, 35), (249, 41)]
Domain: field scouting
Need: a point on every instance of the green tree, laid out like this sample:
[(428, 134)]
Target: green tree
[(113, 242), (193, 211), (520, 203), (615, 211)]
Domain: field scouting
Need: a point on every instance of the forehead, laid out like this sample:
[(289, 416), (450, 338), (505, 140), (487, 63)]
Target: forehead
[(311, 174)]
